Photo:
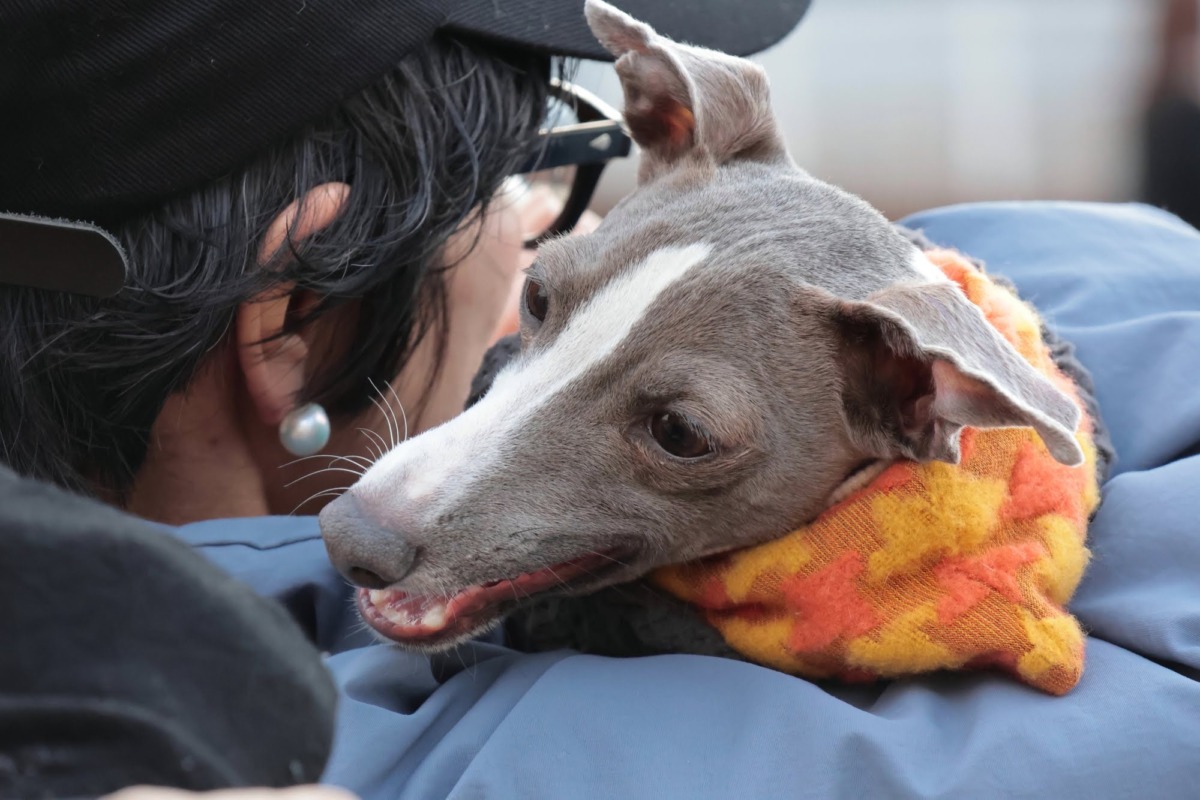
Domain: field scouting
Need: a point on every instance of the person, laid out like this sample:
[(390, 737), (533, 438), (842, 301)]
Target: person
[(1170, 120), (312, 211), (316, 270), (130, 659)]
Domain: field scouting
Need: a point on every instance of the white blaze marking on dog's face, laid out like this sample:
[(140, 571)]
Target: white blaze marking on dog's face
[(447, 457)]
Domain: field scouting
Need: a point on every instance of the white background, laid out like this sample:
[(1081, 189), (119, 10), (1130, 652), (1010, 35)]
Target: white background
[(917, 103)]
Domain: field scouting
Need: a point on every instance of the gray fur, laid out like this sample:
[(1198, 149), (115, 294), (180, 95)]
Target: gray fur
[(806, 343)]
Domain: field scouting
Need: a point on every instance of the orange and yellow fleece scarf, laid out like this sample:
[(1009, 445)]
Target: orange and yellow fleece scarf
[(930, 566)]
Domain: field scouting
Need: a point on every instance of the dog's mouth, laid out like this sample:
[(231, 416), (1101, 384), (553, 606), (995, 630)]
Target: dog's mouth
[(436, 621)]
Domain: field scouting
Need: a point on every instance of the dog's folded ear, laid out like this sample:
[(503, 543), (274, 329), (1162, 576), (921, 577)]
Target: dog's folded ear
[(920, 362), (683, 101)]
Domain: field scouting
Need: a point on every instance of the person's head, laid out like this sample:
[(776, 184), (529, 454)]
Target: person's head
[(323, 256), (310, 273)]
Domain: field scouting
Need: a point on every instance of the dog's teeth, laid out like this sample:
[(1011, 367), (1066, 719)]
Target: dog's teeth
[(434, 617), (397, 616)]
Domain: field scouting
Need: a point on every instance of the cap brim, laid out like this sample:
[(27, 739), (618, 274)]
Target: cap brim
[(558, 27)]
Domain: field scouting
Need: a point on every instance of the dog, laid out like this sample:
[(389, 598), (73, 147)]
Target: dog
[(738, 346)]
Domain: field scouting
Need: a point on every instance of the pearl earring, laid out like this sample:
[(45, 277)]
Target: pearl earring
[(305, 430)]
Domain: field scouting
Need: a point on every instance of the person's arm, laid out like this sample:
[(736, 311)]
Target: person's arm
[(130, 659)]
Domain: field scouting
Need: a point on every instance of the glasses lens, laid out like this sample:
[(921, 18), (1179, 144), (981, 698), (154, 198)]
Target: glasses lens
[(559, 112), (555, 184), (552, 186), (541, 198), (545, 192)]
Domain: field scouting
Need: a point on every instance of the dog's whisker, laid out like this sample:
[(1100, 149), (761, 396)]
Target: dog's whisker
[(330, 491), (376, 402), (323, 493), (519, 594), (557, 577), (387, 404), (359, 465), (378, 439), (375, 455), (302, 459), (322, 471), (383, 410), (403, 413), (385, 407), (358, 461), (614, 559), (375, 443), (398, 438), (463, 661)]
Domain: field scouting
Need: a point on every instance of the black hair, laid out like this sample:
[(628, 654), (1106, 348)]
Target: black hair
[(82, 380)]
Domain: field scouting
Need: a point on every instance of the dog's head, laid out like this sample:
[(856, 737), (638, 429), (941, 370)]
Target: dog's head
[(706, 371)]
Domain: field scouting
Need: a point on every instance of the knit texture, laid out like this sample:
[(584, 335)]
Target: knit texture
[(930, 566)]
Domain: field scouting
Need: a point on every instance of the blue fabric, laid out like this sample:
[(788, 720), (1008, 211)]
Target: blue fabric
[(1123, 283)]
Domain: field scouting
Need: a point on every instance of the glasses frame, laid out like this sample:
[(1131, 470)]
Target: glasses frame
[(588, 145)]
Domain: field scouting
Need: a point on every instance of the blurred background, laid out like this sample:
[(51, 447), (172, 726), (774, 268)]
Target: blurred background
[(928, 102)]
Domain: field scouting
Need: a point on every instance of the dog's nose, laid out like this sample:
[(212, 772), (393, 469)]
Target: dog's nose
[(366, 553)]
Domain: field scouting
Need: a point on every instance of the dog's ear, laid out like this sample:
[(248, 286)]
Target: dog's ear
[(683, 101), (920, 362)]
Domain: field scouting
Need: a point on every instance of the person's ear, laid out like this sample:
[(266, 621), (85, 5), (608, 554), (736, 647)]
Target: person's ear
[(273, 363)]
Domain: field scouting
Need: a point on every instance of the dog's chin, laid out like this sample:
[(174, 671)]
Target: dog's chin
[(432, 624)]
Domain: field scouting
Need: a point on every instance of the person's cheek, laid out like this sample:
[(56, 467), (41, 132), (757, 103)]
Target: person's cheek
[(479, 283), (510, 322), (485, 261)]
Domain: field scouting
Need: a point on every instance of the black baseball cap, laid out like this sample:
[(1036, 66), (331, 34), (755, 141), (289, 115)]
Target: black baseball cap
[(113, 106)]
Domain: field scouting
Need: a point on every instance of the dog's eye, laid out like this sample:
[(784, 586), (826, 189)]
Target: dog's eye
[(679, 436), (537, 302)]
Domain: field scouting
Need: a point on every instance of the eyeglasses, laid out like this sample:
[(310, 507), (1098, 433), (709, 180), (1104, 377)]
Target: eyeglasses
[(584, 134)]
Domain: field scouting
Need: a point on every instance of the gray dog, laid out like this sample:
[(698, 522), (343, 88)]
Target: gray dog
[(737, 347)]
